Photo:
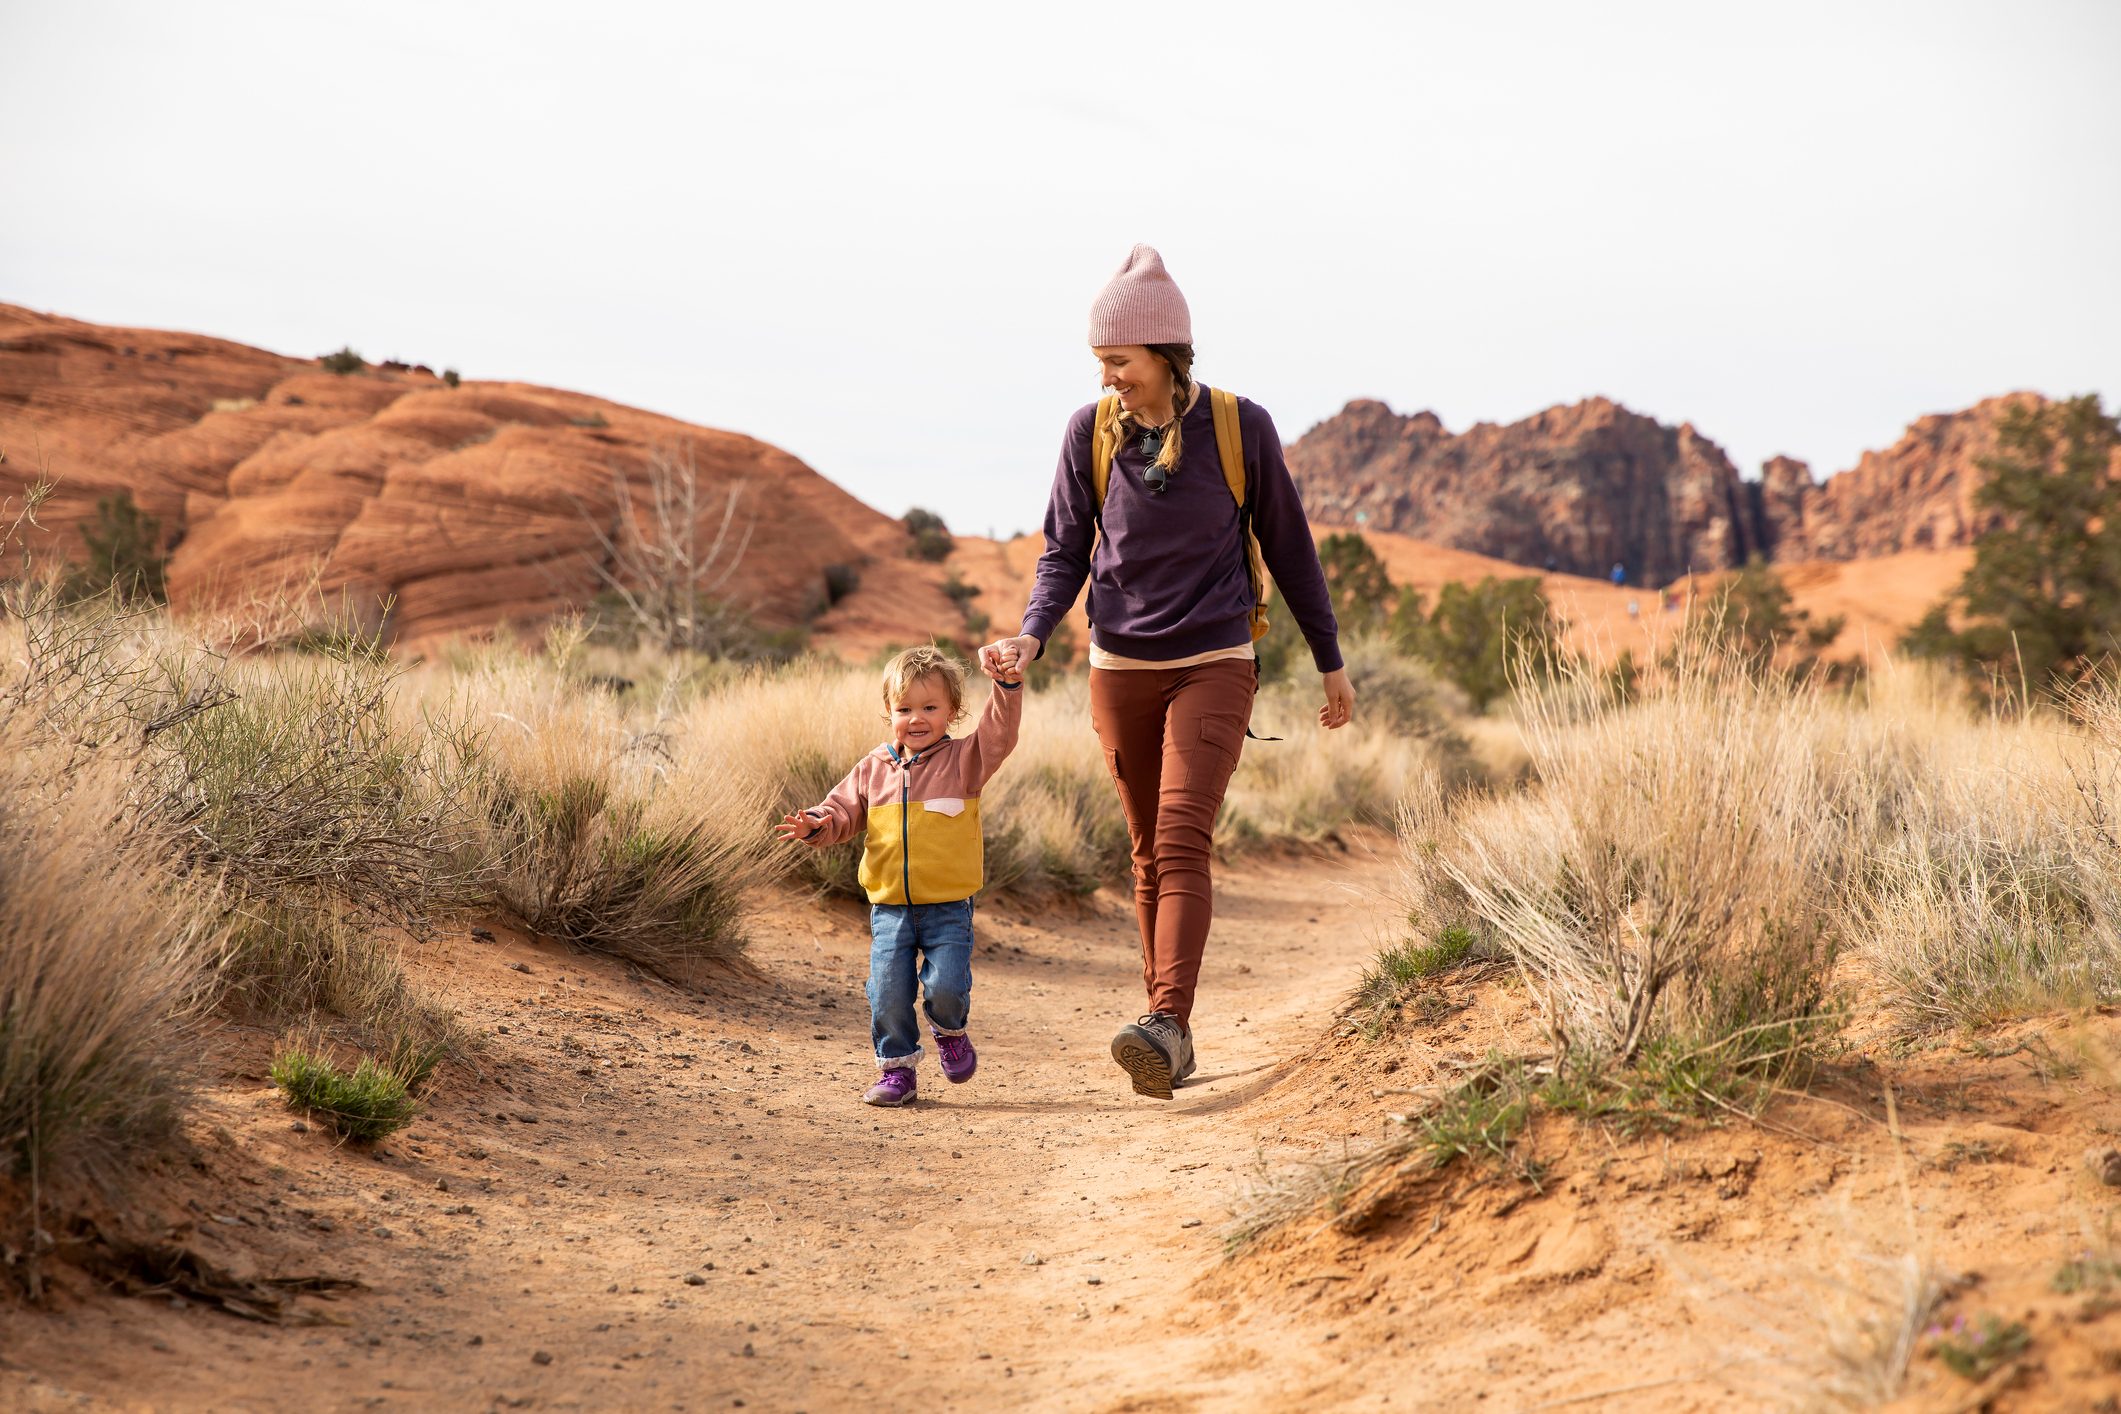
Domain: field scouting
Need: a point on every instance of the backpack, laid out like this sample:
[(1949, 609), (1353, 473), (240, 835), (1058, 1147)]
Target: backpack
[(1230, 446)]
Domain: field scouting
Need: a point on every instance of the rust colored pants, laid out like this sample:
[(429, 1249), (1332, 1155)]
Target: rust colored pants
[(1171, 739)]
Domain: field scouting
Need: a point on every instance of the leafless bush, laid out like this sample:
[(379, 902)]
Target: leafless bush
[(662, 563)]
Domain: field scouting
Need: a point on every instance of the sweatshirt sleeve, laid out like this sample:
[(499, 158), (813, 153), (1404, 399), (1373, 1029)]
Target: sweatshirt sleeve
[(994, 736), (842, 815), (1285, 543), (1071, 533)]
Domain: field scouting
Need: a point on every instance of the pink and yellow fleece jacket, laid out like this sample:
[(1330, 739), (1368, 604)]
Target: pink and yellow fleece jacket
[(918, 815)]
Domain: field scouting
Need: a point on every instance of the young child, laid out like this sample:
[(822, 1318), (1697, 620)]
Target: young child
[(915, 803)]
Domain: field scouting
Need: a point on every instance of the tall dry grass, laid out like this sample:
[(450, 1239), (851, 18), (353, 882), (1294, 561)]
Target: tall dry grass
[(1741, 860), (617, 826), (105, 965)]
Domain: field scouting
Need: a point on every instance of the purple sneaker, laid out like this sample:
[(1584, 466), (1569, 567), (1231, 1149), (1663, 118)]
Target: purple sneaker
[(893, 1088), (959, 1059)]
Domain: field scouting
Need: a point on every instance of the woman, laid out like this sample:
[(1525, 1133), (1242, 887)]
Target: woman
[(1172, 668)]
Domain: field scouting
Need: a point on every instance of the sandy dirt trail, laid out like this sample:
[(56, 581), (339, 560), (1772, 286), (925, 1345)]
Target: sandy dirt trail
[(668, 1200)]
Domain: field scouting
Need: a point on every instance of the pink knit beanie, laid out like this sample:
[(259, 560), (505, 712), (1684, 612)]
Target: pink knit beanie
[(1140, 305)]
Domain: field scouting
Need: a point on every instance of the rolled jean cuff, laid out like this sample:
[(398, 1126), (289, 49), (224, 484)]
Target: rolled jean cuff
[(942, 1031), (901, 1062)]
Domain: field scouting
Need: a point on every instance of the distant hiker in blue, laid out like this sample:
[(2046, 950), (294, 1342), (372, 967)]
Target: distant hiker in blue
[(1620, 574)]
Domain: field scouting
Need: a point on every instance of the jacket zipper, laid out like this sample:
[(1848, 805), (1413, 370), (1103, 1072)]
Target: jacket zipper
[(905, 838)]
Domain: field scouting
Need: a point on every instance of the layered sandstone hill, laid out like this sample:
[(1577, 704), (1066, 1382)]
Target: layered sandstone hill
[(1590, 485), (464, 506)]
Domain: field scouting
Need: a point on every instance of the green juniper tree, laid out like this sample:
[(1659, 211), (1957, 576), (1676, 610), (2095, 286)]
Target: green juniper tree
[(1357, 581), (2042, 600), (125, 555)]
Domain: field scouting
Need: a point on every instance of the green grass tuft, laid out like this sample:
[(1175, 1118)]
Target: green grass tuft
[(365, 1104)]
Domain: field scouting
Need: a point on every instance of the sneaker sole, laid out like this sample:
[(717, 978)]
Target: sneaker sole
[(970, 1071), (890, 1104), (1145, 1066)]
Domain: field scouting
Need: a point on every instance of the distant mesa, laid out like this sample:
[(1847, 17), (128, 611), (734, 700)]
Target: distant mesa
[(1590, 485)]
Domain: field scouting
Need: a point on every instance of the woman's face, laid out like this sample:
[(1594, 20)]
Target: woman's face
[(1141, 379)]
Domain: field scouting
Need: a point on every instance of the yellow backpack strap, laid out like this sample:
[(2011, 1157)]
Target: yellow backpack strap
[(1230, 445), (1102, 444)]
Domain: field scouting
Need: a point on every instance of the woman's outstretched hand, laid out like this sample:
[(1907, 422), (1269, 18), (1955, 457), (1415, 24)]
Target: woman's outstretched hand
[(1340, 700), (1006, 657)]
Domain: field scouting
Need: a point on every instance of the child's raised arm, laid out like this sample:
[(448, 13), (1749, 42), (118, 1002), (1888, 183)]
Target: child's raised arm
[(994, 735), (839, 817)]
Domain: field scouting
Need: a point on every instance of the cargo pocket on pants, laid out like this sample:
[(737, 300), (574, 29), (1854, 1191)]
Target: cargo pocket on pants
[(1209, 764)]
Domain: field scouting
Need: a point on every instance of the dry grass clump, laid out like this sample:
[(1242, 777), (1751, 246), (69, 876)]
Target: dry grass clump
[(1052, 820), (1313, 785), (1738, 858), (1670, 875), (1993, 886), (613, 828), (105, 964)]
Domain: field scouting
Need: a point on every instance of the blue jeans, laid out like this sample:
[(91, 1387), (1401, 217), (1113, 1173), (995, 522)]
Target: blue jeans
[(941, 935)]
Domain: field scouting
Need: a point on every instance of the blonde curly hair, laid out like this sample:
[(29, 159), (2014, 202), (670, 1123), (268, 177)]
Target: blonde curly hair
[(927, 661)]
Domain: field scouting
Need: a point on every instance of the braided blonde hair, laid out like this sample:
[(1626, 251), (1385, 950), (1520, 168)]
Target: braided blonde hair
[(1179, 359)]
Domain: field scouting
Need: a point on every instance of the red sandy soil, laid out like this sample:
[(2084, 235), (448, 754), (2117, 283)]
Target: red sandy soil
[(640, 1197)]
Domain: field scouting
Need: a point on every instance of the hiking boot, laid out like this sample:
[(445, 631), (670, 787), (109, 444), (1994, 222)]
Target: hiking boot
[(958, 1057), (1152, 1051), (1186, 1065), (892, 1089)]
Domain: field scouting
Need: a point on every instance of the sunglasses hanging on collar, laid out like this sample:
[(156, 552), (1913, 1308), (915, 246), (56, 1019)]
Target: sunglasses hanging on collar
[(1155, 477)]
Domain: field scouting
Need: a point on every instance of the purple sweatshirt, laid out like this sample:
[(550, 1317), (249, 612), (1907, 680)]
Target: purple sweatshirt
[(1167, 576)]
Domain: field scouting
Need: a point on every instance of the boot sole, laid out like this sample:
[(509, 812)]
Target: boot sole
[(1146, 1066)]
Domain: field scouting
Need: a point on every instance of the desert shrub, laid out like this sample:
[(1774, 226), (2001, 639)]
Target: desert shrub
[(105, 965), (1753, 615), (1480, 635), (451, 377), (343, 362), (294, 783), (363, 1104), (928, 538), (841, 581), (1411, 698), (299, 782)]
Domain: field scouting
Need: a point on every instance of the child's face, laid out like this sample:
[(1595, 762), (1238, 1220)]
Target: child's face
[(919, 719)]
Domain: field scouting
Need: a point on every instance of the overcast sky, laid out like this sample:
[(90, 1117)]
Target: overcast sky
[(870, 233)]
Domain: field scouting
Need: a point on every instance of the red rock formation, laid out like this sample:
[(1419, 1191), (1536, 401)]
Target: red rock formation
[(469, 506), (1917, 494), (1594, 483), (1585, 486)]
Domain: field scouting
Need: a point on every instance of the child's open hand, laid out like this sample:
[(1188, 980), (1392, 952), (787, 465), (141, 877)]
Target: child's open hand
[(796, 828)]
